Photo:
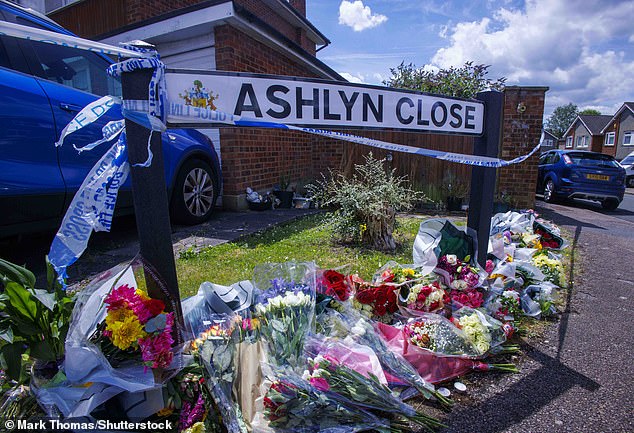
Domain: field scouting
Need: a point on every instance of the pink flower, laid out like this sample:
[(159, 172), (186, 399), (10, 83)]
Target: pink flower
[(122, 296), (156, 350), (489, 266), (319, 383)]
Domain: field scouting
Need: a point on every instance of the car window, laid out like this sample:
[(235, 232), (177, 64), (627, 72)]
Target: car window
[(542, 159), (628, 160), (556, 158), (80, 69), (593, 160)]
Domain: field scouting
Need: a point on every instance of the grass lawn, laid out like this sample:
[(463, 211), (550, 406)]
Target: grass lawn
[(306, 239)]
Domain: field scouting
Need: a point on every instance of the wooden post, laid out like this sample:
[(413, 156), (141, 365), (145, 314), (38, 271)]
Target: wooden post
[(483, 179), (149, 190)]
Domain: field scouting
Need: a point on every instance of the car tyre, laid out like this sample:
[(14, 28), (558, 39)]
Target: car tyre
[(195, 193), (549, 191), (610, 204), (630, 182)]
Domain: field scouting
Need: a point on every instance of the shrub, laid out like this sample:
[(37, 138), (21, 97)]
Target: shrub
[(366, 204)]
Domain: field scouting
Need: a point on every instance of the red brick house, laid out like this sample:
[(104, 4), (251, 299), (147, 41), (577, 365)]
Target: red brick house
[(620, 131), (259, 36)]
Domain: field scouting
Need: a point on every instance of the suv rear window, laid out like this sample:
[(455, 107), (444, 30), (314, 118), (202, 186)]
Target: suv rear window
[(628, 160), (592, 160)]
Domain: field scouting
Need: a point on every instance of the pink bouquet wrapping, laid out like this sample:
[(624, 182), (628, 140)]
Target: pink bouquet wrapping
[(434, 367)]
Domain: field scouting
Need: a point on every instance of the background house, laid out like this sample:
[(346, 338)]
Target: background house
[(548, 141), (585, 132), (620, 131)]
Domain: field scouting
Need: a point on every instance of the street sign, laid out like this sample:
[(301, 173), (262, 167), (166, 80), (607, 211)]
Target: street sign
[(314, 103)]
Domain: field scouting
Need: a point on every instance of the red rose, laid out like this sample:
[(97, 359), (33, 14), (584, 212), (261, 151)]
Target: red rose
[(421, 297), (426, 290), (366, 296), (434, 306), (380, 309), (154, 306), (381, 295), (333, 278), (391, 302)]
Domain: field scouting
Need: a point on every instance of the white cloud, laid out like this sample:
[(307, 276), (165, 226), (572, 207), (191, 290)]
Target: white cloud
[(359, 79), (359, 17), (563, 44)]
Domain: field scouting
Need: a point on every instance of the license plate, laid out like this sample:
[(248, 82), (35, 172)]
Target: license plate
[(597, 177)]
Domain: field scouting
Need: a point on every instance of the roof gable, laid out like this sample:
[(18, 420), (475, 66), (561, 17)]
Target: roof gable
[(627, 106)]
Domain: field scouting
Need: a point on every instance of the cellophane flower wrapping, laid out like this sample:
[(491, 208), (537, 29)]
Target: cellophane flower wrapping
[(327, 373), (352, 325), (293, 405), (335, 283), (551, 266), (119, 336), (484, 331), (285, 307), (215, 345), (437, 334)]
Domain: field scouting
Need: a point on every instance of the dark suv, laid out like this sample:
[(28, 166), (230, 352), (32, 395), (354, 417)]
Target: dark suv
[(581, 174), (42, 87)]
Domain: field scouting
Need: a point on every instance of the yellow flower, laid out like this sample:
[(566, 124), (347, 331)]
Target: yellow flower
[(118, 315), (408, 272), (166, 411), (199, 427), (127, 332), (141, 294)]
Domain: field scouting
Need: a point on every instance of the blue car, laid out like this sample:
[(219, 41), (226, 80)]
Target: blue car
[(42, 87), (567, 174)]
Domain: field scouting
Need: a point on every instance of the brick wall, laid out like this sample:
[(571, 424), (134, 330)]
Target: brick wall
[(259, 157), (521, 133)]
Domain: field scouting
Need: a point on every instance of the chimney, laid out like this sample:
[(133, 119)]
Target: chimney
[(300, 5)]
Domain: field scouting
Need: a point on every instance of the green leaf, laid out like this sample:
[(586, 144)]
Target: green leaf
[(22, 300), (42, 350), (12, 355), (6, 333), (17, 274)]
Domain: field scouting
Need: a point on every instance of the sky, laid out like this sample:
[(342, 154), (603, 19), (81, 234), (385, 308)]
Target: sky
[(583, 50)]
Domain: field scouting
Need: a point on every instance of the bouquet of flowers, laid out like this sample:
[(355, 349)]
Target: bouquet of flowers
[(352, 325), (328, 374), (505, 306), (397, 274), (551, 267), (375, 300), (136, 326), (472, 298), (428, 297), (459, 274), (334, 284), (292, 405), (285, 310), (485, 332), (437, 349), (539, 299), (550, 235), (214, 349)]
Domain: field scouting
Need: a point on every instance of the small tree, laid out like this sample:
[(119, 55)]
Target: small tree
[(366, 204), (463, 82), (590, 111), (561, 119)]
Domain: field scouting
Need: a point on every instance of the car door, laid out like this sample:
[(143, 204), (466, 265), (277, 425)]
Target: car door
[(31, 184), (73, 78)]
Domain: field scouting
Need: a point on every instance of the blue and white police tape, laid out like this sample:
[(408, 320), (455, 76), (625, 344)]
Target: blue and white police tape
[(87, 115), (92, 207), (54, 38), (109, 132), (179, 113)]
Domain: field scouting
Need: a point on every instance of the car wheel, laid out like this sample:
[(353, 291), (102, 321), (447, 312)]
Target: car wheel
[(195, 192), (549, 191), (630, 182), (610, 204)]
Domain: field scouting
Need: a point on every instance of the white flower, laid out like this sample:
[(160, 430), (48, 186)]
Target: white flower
[(452, 259), (306, 375), (318, 372), (318, 360), (511, 294), (459, 284)]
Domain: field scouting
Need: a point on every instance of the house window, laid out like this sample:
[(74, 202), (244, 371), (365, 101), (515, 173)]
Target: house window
[(627, 138), (548, 143), (568, 142), (582, 141), (609, 139)]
